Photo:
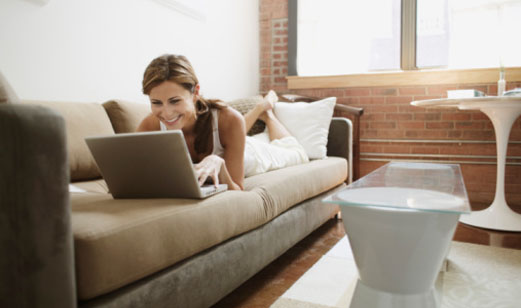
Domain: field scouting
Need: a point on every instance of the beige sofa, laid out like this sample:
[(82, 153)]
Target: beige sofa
[(68, 243)]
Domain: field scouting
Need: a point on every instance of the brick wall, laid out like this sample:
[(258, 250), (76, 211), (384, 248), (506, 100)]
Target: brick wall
[(393, 129)]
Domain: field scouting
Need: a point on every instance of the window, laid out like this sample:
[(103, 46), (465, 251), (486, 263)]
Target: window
[(338, 37)]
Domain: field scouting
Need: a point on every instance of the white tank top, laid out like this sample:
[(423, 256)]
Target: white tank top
[(217, 146)]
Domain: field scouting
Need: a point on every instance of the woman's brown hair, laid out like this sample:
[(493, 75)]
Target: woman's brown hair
[(178, 69)]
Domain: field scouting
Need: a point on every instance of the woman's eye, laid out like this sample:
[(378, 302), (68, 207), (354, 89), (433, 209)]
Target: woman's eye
[(156, 103), (173, 101)]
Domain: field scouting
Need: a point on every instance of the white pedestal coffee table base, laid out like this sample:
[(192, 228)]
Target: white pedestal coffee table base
[(398, 254), (502, 111), (365, 296), (498, 216)]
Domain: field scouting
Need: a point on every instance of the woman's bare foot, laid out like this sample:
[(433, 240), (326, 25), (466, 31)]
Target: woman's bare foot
[(271, 98), (268, 102)]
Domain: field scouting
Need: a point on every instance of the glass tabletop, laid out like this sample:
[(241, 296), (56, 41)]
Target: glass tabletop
[(415, 186)]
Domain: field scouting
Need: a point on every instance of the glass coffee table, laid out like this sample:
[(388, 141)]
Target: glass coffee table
[(400, 220)]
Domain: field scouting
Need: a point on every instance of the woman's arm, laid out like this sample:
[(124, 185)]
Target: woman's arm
[(232, 133), (229, 169)]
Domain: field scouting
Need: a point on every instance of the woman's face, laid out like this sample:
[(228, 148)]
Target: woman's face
[(173, 105)]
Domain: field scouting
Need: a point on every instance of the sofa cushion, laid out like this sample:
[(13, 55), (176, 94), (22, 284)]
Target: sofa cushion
[(81, 120), (126, 116), (243, 105), (118, 241), (7, 94), (281, 189)]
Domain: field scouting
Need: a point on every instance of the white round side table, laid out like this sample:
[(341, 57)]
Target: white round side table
[(502, 111)]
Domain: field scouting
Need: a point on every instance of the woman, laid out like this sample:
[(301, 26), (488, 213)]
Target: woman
[(215, 134)]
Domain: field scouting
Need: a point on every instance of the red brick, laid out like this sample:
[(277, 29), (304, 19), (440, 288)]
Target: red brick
[(439, 125), (411, 91), (371, 100), (265, 71), (399, 116), (384, 91), (373, 117), (368, 133), (469, 125), (426, 134), (435, 116), (281, 32), (280, 48), (425, 150), (370, 148), (479, 116), (390, 133), (410, 109), (440, 90), (280, 79), (396, 149), (491, 90), (331, 92), (411, 125), (455, 134), (456, 116), (380, 108), (383, 125), (349, 101), (478, 135), (398, 99), (280, 63), (357, 92)]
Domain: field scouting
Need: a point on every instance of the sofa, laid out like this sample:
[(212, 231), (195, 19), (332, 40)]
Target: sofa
[(66, 242)]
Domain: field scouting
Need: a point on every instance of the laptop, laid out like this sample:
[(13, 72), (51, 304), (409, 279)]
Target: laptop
[(148, 165)]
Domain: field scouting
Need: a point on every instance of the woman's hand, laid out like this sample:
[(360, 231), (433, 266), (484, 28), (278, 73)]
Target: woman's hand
[(210, 166)]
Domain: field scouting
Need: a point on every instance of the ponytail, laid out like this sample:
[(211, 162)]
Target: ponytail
[(203, 128)]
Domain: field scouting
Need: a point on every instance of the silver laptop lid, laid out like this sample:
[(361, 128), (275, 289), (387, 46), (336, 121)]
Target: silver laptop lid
[(146, 165)]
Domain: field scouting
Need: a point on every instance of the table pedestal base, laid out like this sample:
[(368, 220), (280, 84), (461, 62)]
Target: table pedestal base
[(365, 296), (498, 216)]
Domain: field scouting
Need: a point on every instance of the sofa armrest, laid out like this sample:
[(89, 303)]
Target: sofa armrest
[(36, 265), (340, 142)]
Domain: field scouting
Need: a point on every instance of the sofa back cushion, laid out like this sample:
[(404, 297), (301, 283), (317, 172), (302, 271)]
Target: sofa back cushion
[(7, 94), (81, 120), (126, 116)]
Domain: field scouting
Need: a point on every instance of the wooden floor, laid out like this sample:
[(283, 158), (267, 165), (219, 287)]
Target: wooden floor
[(263, 289)]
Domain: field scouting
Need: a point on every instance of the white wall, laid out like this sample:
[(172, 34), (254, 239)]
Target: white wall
[(95, 50)]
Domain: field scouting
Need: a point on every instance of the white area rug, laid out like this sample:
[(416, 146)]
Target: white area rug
[(474, 276)]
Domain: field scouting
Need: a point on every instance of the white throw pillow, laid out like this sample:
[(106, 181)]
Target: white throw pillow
[(308, 123)]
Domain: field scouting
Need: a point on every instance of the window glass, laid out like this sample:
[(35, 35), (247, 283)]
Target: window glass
[(337, 37), (468, 33)]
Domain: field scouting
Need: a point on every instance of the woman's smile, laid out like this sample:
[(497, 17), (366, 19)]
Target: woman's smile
[(173, 120)]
